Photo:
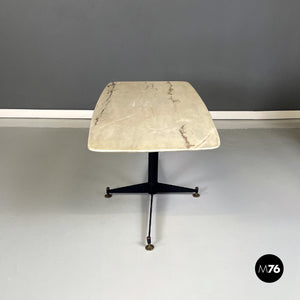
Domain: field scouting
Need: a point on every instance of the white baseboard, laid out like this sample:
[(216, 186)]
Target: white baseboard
[(87, 114), (85, 123), (46, 113), (255, 115)]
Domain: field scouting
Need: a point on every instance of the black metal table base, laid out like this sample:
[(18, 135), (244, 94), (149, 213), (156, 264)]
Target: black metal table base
[(146, 187), (151, 187)]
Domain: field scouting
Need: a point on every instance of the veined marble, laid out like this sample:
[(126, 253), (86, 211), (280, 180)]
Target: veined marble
[(151, 116)]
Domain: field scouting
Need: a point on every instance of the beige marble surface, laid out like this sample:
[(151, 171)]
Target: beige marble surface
[(147, 116)]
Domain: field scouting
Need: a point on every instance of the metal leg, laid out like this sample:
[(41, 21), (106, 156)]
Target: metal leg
[(149, 246), (168, 188), (136, 188)]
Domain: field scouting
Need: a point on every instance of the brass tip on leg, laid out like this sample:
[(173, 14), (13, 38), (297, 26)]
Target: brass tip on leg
[(107, 195), (149, 247), (196, 194)]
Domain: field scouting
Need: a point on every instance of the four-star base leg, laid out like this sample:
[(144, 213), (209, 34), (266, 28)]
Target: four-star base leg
[(152, 187), (146, 188)]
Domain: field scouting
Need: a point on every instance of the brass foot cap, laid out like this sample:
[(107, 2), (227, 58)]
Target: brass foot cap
[(196, 195), (149, 247), (107, 195)]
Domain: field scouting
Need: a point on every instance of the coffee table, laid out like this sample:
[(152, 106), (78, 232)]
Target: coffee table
[(152, 117)]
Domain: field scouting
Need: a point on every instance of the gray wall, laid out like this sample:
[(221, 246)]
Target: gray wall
[(239, 55)]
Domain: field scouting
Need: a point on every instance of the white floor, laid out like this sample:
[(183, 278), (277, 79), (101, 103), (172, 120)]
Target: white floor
[(61, 239)]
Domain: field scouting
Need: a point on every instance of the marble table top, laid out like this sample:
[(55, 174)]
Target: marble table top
[(151, 116)]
